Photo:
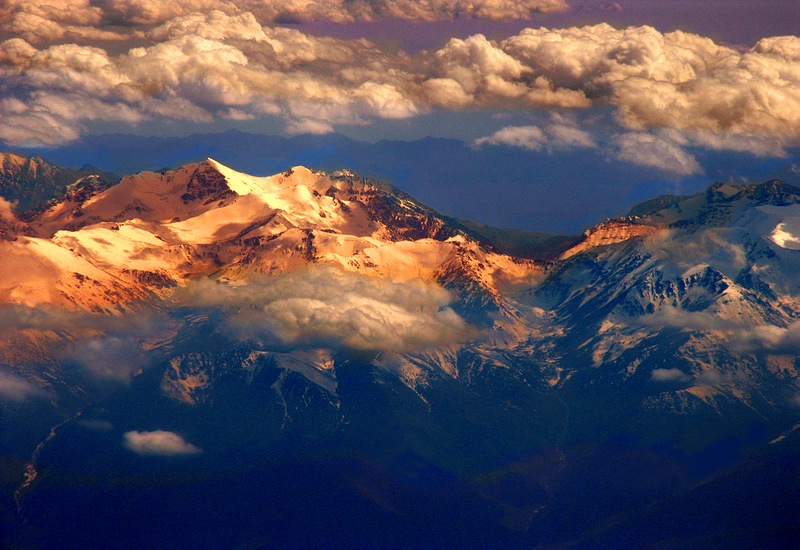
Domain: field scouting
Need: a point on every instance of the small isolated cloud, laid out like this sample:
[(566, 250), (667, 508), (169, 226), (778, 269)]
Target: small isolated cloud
[(713, 377), (525, 137), (97, 425), (563, 134), (657, 151), (16, 388), (324, 307), (159, 443), (308, 126), (669, 375)]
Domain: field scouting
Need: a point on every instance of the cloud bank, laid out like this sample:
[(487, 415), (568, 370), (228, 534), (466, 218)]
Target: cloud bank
[(107, 346), (325, 307), (743, 337), (16, 388), (159, 443), (52, 19), (175, 63), (563, 134)]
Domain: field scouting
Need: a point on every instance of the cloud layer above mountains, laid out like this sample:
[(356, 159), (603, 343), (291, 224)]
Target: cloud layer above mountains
[(66, 65)]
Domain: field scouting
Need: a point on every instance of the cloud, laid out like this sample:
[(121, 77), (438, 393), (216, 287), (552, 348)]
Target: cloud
[(107, 346), (562, 135), (204, 60), (708, 377), (53, 16), (741, 336), (657, 151), (525, 137), (669, 375), (114, 356), (325, 307), (159, 443), (308, 126), (16, 388)]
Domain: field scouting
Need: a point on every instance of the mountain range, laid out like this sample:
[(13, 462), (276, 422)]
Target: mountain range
[(201, 357), (534, 190)]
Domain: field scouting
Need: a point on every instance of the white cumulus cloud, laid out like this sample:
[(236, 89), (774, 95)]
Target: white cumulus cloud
[(52, 19), (159, 443), (563, 134)]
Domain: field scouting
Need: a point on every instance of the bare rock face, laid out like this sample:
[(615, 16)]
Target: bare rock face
[(610, 232)]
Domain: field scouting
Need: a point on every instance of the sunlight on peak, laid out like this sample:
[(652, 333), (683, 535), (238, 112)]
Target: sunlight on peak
[(245, 184)]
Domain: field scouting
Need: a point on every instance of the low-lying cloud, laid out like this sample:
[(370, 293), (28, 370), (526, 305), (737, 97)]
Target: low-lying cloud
[(708, 377), (742, 336), (17, 388), (669, 375), (325, 307), (159, 443), (107, 346)]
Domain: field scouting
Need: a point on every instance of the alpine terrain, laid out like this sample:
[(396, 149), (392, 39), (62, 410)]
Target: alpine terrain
[(204, 358)]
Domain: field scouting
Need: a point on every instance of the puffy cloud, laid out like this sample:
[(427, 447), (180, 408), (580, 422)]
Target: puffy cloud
[(674, 80), (159, 443), (657, 151), (16, 388), (329, 308), (199, 71), (562, 134), (308, 126), (526, 137), (341, 11), (51, 19), (206, 59), (113, 356)]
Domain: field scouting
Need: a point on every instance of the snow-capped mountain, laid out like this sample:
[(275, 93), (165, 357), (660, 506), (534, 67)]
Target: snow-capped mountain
[(154, 231), (307, 311)]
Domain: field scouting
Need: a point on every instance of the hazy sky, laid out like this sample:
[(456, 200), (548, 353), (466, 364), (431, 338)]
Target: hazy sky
[(661, 85)]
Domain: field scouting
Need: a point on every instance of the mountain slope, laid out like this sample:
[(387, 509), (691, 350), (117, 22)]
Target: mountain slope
[(32, 182), (199, 323)]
